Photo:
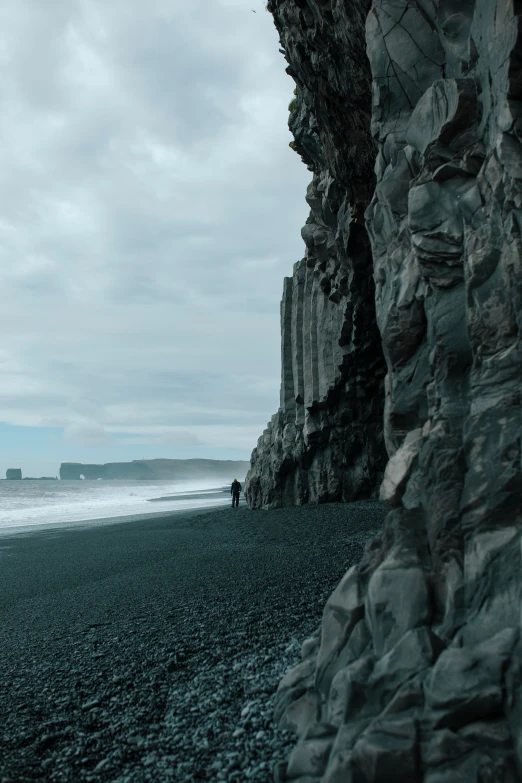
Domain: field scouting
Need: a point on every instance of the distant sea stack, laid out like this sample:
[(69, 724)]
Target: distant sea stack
[(224, 470), (410, 110), (13, 474)]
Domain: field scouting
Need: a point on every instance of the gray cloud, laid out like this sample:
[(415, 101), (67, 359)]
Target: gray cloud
[(149, 209)]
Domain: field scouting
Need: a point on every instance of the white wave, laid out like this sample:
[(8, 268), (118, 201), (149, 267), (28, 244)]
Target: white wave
[(41, 504)]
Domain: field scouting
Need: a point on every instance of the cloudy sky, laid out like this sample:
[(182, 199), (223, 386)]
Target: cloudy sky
[(149, 209)]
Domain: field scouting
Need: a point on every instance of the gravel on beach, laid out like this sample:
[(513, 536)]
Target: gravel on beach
[(151, 650)]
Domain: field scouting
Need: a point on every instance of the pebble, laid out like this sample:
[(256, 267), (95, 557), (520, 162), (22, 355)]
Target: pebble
[(136, 740), (191, 695)]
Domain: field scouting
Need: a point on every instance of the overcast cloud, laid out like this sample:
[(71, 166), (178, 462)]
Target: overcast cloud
[(149, 209)]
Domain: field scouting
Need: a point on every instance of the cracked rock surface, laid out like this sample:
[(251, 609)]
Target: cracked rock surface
[(416, 671)]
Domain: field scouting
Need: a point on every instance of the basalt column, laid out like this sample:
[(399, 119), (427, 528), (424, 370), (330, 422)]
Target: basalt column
[(326, 442), (416, 671)]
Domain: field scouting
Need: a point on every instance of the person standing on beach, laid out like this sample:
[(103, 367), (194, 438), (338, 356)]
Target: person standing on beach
[(235, 490)]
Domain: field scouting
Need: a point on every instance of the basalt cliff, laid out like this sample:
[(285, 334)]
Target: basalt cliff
[(409, 115), (325, 443)]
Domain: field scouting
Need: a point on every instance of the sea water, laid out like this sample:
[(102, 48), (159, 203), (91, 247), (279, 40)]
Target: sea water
[(27, 506)]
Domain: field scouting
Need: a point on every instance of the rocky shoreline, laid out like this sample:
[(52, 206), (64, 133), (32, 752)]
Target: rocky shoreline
[(152, 650)]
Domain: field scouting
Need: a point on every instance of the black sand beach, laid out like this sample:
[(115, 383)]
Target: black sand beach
[(150, 650)]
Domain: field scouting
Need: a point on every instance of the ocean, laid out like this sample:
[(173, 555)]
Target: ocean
[(27, 506)]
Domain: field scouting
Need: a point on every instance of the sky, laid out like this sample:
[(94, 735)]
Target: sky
[(150, 207)]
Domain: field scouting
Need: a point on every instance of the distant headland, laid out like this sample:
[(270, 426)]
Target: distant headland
[(157, 469), (15, 474)]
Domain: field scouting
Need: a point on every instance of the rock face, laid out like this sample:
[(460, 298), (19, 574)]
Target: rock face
[(416, 671), (13, 474), (190, 469), (325, 442)]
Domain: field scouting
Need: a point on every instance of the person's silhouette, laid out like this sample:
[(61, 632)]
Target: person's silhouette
[(235, 491)]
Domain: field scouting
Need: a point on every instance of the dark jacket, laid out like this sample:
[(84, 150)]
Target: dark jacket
[(235, 489)]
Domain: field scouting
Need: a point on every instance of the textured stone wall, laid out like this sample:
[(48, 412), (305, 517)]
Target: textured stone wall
[(415, 673), (325, 443)]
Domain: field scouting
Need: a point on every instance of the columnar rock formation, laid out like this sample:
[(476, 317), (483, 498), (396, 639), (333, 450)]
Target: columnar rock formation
[(13, 474), (415, 673), (325, 443)]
